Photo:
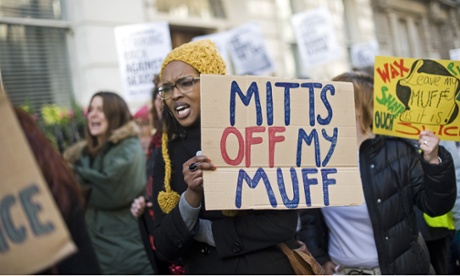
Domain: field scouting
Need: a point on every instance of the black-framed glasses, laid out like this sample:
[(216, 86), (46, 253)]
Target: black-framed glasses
[(184, 85)]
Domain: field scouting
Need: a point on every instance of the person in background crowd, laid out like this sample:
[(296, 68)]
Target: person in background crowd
[(65, 191), (154, 118), (382, 236), (454, 258), (111, 163), (142, 202), (139, 204), (438, 232), (143, 119), (209, 242)]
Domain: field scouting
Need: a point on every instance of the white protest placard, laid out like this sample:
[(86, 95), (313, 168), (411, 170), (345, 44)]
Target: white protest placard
[(248, 51), (141, 49), (315, 36), (278, 143), (454, 54), (363, 54), (221, 40)]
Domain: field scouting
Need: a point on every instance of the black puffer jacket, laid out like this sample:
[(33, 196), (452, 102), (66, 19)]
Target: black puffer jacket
[(245, 244), (395, 178)]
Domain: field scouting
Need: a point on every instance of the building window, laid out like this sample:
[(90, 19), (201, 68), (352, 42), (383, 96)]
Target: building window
[(404, 41), (33, 52), (196, 8)]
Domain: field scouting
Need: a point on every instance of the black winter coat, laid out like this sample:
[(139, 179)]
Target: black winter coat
[(245, 244), (395, 178)]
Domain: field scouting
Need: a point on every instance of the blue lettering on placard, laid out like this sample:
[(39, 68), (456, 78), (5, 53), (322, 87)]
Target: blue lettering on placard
[(252, 183), (295, 188), (311, 90), (269, 104), (333, 139), (323, 96), (253, 90), (326, 182), (306, 139), (287, 99), (289, 203), (246, 99), (307, 182), (303, 136)]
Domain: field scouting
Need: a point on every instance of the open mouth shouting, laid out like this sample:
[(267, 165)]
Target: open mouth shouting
[(97, 127), (182, 110)]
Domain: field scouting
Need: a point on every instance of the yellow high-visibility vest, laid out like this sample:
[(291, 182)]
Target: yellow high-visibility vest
[(444, 221)]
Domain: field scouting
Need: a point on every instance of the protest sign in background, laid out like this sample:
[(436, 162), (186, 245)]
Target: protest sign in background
[(141, 49), (248, 51), (411, 95), (316, 37), (363, 54), (278, 143), (33, 235)]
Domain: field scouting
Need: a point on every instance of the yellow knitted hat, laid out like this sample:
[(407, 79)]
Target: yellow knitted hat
[(201, 55), (204, 57)]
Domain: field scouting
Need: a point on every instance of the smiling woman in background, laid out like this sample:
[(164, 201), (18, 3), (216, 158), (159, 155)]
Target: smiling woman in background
[(111, 164)]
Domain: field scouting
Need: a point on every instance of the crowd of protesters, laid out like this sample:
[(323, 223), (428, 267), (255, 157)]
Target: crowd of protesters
[(135, 210)]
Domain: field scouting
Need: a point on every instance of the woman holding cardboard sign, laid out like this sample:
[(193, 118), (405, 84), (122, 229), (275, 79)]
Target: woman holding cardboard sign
[(381, 236), (208, 242)]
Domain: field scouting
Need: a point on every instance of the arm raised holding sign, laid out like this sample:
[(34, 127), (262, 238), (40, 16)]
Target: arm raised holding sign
[(208, 242), (429, 144), (382, 236)]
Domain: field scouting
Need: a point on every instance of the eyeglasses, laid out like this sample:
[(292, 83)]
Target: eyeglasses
[(184, 85)]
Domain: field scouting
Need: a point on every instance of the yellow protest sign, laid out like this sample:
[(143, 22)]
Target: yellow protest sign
[(411, 95), (278, 143)]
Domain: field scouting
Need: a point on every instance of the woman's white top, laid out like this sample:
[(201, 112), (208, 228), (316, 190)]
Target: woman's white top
[(351, 238)]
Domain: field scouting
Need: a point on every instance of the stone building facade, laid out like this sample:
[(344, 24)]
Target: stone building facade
[(77, 52)]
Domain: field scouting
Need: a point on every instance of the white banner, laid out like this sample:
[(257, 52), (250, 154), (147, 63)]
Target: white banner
[(248, 51), (363, 54), (141, 49), (316, 38)]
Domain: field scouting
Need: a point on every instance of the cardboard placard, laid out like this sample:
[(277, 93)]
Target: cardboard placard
[(278, 143), (411, 95), (33, 235)]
